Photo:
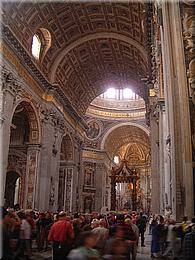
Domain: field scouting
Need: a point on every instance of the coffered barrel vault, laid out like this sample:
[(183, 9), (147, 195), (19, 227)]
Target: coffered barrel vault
[(93, 46)]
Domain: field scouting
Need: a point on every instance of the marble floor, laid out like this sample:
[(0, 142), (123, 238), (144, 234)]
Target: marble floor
[(143, 252)]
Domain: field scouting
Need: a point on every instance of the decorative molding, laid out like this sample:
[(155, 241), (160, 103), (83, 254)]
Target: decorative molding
[(94, 155), (189, 42), (9, 82), (93, 111), (189, 32)]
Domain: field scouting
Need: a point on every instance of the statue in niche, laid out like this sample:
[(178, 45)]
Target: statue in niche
[(52, 192), (89, 176), (88, 205), (94, 130), (31, 166)]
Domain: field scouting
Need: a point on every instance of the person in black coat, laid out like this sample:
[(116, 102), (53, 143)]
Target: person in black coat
[(141, 224)]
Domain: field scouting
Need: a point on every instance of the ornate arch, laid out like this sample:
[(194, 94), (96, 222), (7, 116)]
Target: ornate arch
[(34, 123), (142, 127), (17, 163), (45, 38), (67, 148)]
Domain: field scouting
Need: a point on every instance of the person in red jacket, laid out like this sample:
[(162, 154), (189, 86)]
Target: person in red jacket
[(61, 234)]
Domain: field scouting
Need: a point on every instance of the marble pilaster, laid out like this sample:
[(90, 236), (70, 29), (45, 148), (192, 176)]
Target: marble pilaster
[(99, 177), (77, 175), (32, 169), (154, 127), (9, 89), (178, 111), (161, 156), (53, 130)]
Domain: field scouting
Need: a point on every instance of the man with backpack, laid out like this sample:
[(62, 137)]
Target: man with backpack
[(61, 234)]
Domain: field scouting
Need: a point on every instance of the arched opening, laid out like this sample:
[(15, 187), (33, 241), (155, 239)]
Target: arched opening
[(119, 94), (22, 157), (20, 128), (36, 46), (130, 145), (66, 153), (12, 188), (41, 43), (65, 174), (121, 135)]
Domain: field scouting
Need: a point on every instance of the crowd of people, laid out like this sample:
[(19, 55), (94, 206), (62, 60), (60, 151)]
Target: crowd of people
[(95, 236)]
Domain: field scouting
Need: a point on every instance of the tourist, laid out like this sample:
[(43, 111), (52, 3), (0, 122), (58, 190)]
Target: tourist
[(158, 238), (191, 226), (116, 246), (153, 223), (95, 223), (6, 230), (189, 245), (24, 237), (171, 239), (101, 233), (61, 234), (85, 249), (141, 224), (184, 224), (41, 231), (117, 250), (133, 246)]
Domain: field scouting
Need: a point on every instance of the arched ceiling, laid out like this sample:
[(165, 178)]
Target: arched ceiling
[(120, 139), (93, 45)]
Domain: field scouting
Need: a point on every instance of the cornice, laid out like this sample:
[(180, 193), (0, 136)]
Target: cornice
[(28, 63)]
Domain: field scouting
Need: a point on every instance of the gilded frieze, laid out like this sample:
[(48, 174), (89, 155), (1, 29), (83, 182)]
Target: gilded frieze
[(95, 155), (118, 115)]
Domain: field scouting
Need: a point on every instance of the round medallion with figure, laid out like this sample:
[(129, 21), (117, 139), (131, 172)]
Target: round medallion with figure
[(94, 129)]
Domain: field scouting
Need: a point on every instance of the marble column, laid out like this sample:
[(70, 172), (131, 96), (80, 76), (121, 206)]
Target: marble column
[(9, 89), (98, 186), (69, 189), (53, 173), (76, 195), (178, 111), (32, 169), (155, 175), (47, 158), (162, 126)]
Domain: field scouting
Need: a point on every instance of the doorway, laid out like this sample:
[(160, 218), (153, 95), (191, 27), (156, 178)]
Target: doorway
[(12, 189)]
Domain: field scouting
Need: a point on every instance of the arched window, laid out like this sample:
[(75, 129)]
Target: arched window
[(128, 94), (36, 46), (110, 93), (119, 94), (116, 159)]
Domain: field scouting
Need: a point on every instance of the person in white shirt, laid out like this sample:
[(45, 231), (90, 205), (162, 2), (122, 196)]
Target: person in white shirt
[(102, 234), (25, 236), (171, 239)]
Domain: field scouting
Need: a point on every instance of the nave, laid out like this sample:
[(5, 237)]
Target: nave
[(97, 105)]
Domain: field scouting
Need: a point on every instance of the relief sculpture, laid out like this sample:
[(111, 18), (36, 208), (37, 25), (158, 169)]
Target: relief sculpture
[(89, 171), (93, 130)]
